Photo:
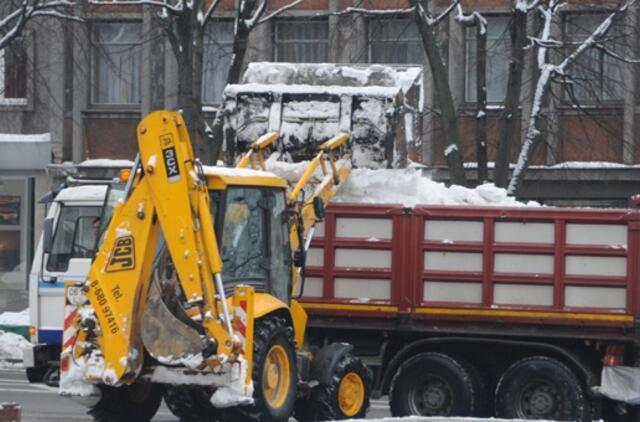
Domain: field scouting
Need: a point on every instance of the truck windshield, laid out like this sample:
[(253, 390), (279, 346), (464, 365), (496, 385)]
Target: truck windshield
[(74, 236), (255, 241)]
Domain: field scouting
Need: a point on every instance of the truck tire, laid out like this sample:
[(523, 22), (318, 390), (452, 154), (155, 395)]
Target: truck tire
[(346, 397), (52, 376), (191, 404), (433, 384), (131, 403), (275, 375), (540, 387), (36, 373)]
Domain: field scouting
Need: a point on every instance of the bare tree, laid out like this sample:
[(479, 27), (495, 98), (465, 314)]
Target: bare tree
[(548, 72), (508, 121), (476, 20), (15, 14), (184, 23)]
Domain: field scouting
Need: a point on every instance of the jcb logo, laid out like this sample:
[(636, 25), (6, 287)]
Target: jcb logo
[(122, 256)]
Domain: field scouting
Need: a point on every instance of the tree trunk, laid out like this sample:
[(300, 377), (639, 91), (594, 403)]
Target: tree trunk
[(188, 33), (240, 42), (481, 98), (508, 118), (448, 115)]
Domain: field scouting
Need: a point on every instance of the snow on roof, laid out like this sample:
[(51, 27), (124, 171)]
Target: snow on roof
[(328, 74), (83, 193), (235, 172), (369, 91), (15, 318), (106, 162), (21, 138)]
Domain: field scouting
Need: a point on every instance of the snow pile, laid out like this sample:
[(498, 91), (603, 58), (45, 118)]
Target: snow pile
[(11, 346), (411, 188), (83, 193), (15, 318), (400, 186)]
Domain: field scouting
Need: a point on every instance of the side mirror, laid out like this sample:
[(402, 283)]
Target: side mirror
[(47, 228), (318, 207)]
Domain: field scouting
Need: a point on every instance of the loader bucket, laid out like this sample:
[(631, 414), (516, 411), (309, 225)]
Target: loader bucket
[(307, 104)]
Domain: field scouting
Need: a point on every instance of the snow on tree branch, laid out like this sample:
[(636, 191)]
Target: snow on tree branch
[(428, 17), (368, 12), (255, 18), (279, 11), (212, 8), (11, 26), (472, 19), (173, 8), (548, 71)]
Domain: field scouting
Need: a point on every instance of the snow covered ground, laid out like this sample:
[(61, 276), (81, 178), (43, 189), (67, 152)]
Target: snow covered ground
[(15, 318)]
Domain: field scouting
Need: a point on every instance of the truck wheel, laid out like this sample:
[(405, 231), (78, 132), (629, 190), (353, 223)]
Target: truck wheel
[(433, 384), (36, 373), (131, 403), (346, 397), (52, 376), (539, 387), (275, 374), (191, 404)]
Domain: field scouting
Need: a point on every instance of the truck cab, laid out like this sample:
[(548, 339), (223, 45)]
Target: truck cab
[(64, 252)]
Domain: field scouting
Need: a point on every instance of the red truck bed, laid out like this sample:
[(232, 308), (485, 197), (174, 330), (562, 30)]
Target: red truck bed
[(460, 264)]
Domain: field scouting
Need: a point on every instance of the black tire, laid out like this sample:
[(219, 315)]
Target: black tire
[(191, 404), (483, 397), (324, 402), (433, 384), (134, 403), (540, 387), (270, 332), (52, 376), (36, 373)]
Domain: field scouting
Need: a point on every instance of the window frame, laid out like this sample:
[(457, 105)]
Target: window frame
[(370, 41), (21, 102), (276, 41), (570, 40), (490, 104), (94, 103), (220, 45)]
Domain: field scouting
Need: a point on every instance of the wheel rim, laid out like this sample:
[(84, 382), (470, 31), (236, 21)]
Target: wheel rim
[(538, 400), (275, 376), (431, 397), (351, 394)]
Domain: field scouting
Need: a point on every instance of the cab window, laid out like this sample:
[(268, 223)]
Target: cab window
[(74, 237)]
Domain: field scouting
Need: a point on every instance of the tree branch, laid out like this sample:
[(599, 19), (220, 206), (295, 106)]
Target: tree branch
[(368, 12), (279, 11), (157, 3), (212, 8)]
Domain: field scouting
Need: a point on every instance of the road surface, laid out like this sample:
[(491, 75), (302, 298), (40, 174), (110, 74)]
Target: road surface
[(42, 403)]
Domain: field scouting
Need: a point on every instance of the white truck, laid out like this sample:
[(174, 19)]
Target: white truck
[(64, 252)]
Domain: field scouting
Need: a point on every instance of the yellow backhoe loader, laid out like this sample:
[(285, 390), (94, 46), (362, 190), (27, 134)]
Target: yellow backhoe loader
[(190, 293)]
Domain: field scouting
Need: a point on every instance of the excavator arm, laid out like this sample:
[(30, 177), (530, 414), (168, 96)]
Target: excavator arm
[(168, 197)]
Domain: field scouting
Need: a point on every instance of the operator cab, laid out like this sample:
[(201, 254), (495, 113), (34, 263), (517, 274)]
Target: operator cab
[(252, 228)]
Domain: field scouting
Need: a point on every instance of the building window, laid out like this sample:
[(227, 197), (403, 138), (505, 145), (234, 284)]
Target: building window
[(13, 73), (218, 47), (395, 41), (498, 54), (302, 41), (117, 58), (596, 75)]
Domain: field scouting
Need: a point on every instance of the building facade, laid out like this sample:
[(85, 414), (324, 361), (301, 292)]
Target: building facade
[(88, 83)]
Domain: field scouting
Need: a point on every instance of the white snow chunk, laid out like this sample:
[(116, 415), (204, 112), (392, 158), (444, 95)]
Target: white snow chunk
[(450, 149), (151, 162), (15, 318), (235, 172), (12, 345), (106, 162)]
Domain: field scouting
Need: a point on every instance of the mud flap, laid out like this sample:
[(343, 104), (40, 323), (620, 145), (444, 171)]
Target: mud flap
[(325, 361)]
